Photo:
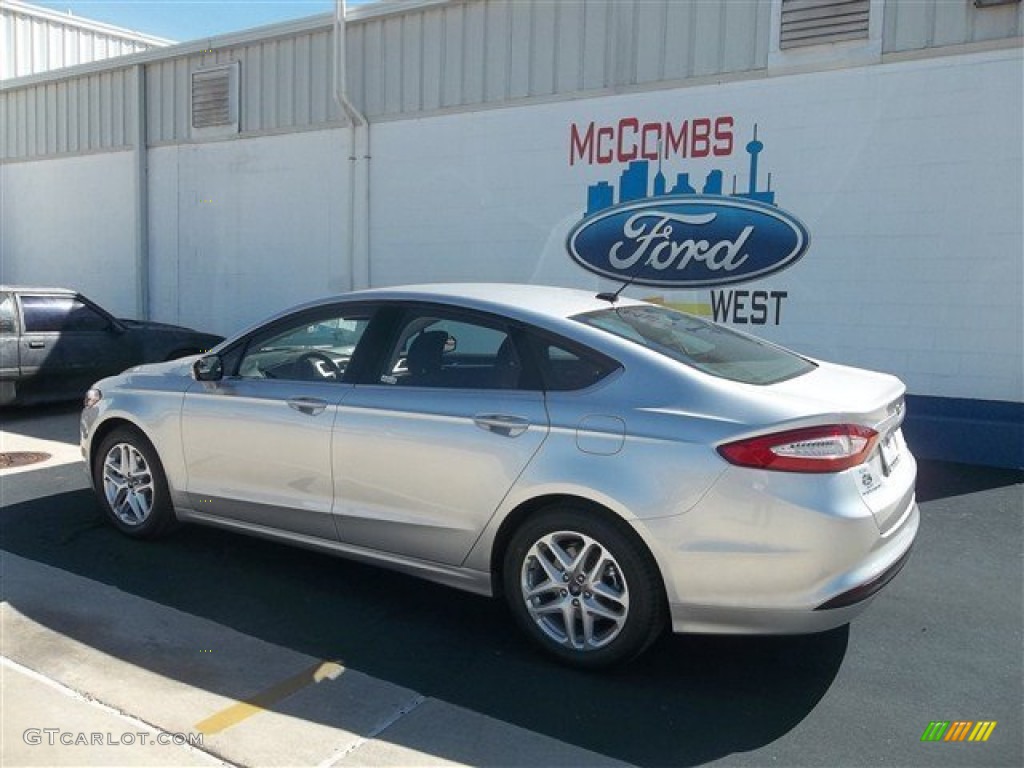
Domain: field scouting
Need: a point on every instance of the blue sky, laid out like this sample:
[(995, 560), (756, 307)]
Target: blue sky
[(183, 20)]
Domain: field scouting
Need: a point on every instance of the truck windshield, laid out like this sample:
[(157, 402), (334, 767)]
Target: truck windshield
[(700, 344)]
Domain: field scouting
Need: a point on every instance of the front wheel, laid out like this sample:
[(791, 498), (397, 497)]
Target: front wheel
[(131, 485), (584, 590)]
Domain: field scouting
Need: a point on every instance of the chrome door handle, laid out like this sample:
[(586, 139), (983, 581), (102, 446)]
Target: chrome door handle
[(499, 423), (36, 344), (311, 406)]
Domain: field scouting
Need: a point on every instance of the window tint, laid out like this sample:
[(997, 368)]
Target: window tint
[(564, 370), (700, 344), (438, 352), (313, 349), (6, 313), (46, 314)]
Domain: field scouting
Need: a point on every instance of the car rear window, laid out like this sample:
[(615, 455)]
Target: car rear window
[(708, 347)]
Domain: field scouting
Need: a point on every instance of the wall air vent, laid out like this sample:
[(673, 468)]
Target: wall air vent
[(215, 99), (814, 22)]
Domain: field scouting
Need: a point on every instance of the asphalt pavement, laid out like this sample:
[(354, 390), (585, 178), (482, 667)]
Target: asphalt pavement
[(281, 656)]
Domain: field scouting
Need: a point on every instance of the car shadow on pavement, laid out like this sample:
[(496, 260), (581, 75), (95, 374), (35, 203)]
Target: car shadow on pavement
[(941, 479), (688, 700)]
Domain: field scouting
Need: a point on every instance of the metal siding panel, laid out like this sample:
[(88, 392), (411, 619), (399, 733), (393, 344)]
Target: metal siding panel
[(412, 62), (543, 35), (54, 51), (5, 126), (286, 82), (303, 81), (433, 34), (51, 118), (319, 78), (268, 78), (251, 90), (597, 45), (624, 44), (118, 109), (996, 23), (106, 107), (373, 53), (20, 123), (355, 66), (74, 116), (740, 35), (474, 61), (182, 100), (393, 58), (570, 21), (520, 53), (950, 23), (167, 101), (497, 34), (153, 102), (93, 95), (38, 45), (679, 32), (61, 116), (761, 37), (707, 49), (451, 66), (30, 122), (651, 23)]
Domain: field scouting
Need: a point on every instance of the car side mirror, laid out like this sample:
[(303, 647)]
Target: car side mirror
[(208, 368)]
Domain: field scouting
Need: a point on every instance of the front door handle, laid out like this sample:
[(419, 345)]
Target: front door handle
[(36, 344), (311, 406), (501, 424)]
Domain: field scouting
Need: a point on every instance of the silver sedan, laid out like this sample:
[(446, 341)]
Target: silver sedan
[(610, 467)]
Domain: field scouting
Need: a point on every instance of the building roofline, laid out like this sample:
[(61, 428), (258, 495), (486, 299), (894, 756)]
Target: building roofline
[(358, 13)]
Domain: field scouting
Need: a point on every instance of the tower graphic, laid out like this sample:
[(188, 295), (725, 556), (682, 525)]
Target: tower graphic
[(634, 183)]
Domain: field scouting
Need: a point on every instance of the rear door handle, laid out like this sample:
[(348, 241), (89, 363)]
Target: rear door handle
[(501, 424), (311, 406), (36, 344)]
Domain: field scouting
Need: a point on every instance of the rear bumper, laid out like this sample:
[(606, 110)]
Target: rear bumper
[(762, 556)]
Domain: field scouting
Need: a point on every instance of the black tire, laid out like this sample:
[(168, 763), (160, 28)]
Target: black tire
[(131, 485), (620, 591)]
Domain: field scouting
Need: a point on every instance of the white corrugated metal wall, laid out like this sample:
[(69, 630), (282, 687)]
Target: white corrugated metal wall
[(34, 39), (424, 58)]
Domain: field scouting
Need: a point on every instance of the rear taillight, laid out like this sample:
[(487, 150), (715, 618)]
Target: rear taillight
[(814, 449)]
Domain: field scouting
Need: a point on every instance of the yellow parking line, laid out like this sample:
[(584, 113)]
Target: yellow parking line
[(236, 713)]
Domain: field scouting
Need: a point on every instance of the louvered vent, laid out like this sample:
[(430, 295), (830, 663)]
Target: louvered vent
[(812, 22), (211, 97)]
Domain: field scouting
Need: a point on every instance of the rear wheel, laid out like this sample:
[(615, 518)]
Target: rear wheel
[(584, 590), (131, 485)]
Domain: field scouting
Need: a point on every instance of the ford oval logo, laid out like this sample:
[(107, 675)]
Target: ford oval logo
[(690, 241)]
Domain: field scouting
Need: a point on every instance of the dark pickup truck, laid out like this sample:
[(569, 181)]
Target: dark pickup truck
[(54, 343)]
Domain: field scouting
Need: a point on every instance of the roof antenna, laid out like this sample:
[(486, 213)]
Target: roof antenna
[(613, 296)]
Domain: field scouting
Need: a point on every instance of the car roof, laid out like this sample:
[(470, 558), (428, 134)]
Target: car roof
[(512, 299), (37, 289)]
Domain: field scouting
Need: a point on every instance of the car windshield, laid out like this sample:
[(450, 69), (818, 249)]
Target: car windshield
[(700, 344)]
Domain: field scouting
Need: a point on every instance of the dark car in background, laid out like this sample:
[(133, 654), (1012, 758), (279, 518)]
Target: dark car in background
[(54, 343)]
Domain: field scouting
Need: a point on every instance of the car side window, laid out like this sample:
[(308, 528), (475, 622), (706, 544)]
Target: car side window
[(433, 351), (564, 370), (313, 348), (59, 314), (7, 324)]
